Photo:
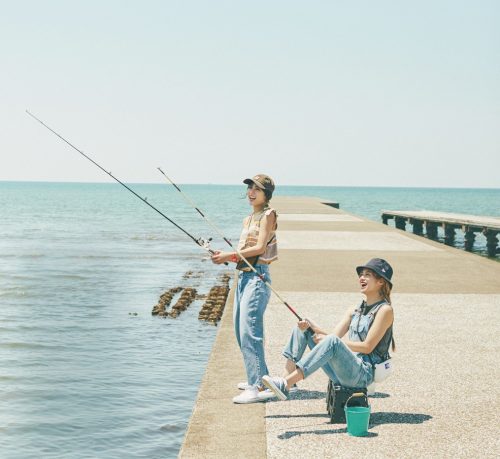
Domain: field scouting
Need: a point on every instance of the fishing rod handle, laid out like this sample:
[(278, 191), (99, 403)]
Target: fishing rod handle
[(292, 310), (298, 317)]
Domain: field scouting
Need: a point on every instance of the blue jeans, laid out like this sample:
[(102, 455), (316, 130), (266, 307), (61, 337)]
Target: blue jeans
[(250, 303), (340, 364)]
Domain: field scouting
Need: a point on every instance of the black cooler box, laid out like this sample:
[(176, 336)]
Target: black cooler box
[(336, 398)]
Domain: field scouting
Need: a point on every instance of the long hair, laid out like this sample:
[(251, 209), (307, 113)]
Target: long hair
[(385, 293)]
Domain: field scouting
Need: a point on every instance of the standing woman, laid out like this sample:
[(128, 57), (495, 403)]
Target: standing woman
[(359, 342), (258, 245)]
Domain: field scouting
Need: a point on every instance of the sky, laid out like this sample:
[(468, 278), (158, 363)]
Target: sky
[(330, 93)]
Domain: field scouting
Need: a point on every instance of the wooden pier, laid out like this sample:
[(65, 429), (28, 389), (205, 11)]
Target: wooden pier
[(450, 222)]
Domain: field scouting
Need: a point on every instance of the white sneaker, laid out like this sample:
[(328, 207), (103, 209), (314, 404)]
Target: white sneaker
[(250, 395), (266, 395), (243, 386), (293, 389)]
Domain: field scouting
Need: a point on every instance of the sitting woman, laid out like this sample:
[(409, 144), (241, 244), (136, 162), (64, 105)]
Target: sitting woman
[(359, 342)]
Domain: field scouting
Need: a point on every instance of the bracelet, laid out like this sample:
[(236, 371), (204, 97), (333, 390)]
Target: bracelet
[(234, 258)]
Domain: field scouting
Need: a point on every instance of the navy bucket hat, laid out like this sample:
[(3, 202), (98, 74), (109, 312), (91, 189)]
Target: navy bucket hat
[(380, 267)]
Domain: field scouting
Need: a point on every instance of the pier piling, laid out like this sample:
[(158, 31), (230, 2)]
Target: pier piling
[(491, 242), (400, 223), (418, 226), (470, 225), (431, 230), (469, 238), (449, 234)]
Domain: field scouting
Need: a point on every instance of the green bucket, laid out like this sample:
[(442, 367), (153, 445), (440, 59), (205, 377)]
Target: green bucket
[(357, 417)]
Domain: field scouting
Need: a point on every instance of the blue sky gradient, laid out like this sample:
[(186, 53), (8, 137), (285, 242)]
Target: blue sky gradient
[(313, 93)]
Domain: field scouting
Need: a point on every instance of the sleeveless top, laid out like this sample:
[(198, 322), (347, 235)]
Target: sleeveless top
[(358, 330), (250, 236)]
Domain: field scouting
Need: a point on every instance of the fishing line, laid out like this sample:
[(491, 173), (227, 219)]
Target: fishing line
[(204, 243), (216, 229)]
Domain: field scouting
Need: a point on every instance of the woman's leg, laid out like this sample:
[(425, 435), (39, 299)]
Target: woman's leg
[(295, 348), (349, 369), (236, 309), (254, 299)]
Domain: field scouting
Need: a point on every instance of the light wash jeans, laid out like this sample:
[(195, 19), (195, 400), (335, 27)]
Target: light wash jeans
[(341, 365), (250, 303)]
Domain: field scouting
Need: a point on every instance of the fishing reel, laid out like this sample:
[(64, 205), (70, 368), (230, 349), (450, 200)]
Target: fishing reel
[(205, 243)]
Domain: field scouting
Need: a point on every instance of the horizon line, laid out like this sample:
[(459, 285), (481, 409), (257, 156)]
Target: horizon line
[(238, 184)]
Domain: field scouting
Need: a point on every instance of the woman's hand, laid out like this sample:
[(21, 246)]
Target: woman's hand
[(303, 324), (221, 257)]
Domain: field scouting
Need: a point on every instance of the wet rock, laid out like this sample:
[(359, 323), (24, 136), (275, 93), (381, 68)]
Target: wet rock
[(213, 308), (193, 274), (165, 300), (187, 297)]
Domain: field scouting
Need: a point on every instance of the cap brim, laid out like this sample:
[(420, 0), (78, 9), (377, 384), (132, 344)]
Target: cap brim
[(360, 268), (249, 181)]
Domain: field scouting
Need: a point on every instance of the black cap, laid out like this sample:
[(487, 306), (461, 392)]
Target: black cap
[(379, 266)]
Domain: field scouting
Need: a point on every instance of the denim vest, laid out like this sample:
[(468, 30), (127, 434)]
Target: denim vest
[(358, 330)]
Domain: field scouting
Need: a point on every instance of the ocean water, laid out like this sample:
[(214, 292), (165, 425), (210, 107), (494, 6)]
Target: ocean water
[(85, 370)]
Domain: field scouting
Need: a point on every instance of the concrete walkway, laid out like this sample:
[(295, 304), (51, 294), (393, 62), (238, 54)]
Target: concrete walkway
[(442, 401)]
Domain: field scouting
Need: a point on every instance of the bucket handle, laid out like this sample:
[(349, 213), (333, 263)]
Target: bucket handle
[(355, 395)]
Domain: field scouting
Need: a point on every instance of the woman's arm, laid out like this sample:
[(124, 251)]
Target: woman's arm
[(383, 320), (267, 225), (340, 329)]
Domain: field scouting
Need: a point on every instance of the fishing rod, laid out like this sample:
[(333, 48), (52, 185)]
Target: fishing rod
[(204, 243), (216, 229)]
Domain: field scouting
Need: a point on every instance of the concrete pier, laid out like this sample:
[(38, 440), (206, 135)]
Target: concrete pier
[(443, 399), (469, 224)]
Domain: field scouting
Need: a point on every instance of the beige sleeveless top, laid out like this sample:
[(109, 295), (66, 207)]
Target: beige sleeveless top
[(250, 236)]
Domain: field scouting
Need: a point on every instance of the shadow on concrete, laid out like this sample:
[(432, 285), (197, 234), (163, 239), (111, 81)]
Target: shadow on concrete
[(375, 420), (285, 416), (398, 418), (296, 433), (307, 395)]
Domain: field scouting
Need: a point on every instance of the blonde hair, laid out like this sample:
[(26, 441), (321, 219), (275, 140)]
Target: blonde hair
[(385, 290), (385, 294)]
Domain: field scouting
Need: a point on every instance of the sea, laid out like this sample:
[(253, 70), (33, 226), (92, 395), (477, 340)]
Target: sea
[(85, 370)]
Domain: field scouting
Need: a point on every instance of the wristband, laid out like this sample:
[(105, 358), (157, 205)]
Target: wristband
[(234, 258)]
